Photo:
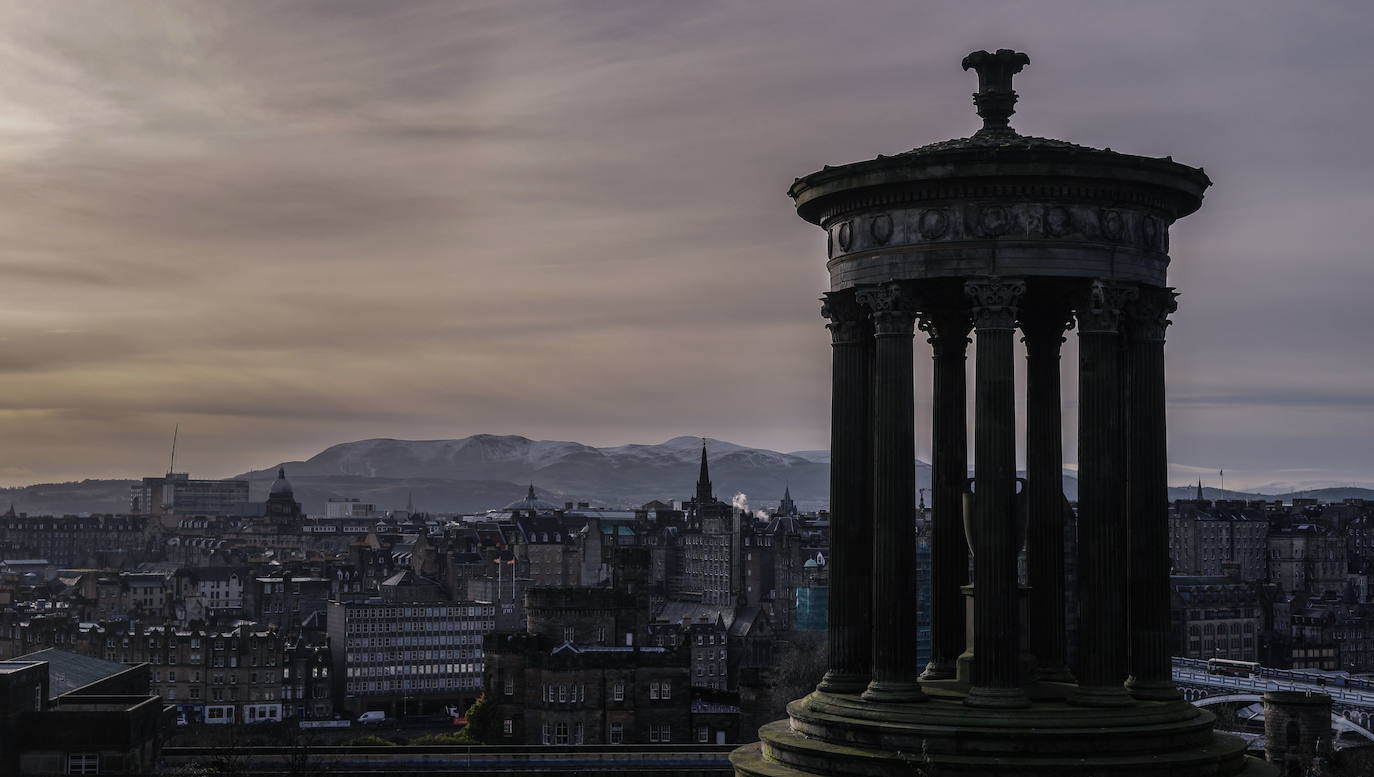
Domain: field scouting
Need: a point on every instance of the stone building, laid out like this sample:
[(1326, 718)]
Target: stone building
[(1203, 538), (307, 689), (208, 593), (1215, 617), (542, 543), (1307, 558), (215, 676), (286, 600), (110, 723), (586, 616), (73, 541), (710, 545), (774, 564), (588, 670), (547, 692)]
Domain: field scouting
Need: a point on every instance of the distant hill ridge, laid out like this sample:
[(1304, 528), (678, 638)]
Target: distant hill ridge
[(488, 471)]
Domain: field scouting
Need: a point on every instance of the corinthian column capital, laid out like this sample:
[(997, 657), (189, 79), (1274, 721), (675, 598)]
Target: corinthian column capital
[(995, 301), (1101, 305), (892, 309), (1147, 316), (946, 330), (1044, 323), (848, 320)]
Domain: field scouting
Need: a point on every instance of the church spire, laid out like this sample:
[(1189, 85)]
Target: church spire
[(1199, 489), (704, 494), (787, 507)]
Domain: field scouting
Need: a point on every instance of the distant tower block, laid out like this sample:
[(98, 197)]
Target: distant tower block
[(998, 236), (1297, 728)]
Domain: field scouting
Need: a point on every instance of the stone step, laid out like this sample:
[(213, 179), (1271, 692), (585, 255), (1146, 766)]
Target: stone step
[(785, 752), (1012, 736)]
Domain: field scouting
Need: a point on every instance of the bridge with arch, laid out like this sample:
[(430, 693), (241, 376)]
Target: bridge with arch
[(1352, 699)]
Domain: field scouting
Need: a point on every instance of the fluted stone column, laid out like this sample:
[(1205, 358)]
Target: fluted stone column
[(894, 492), (1042, 324), (996, 610), (1147, 499), (1102, 558), (948, 330), (850, 619)]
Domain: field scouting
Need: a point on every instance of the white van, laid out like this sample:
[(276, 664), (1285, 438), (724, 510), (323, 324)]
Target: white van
[(371, 717)]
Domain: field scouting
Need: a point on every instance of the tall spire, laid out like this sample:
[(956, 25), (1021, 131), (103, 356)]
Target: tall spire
[(704, 494), (1199, 489), (787, 507)]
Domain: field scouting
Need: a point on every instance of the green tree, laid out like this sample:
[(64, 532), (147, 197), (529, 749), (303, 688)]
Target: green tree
[(483, 727)]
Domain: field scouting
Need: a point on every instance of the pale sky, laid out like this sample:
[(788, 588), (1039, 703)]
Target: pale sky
[(287, 225)]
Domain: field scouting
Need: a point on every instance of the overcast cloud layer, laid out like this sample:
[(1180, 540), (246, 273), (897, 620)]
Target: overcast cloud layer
[(286, 225)]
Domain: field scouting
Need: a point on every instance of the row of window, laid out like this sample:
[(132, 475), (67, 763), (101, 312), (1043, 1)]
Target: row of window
[(557, 733), (470, 611), (448, 626), (427, 641), (412, 655), (414, 669), (563, 733), (426, 683)]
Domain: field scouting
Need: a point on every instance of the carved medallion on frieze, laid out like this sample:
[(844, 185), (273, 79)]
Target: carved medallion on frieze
[(1130, 228), (1113, 226), (881, 229), (993, 220), (934, 223), (1058, 221), (1149, 232)]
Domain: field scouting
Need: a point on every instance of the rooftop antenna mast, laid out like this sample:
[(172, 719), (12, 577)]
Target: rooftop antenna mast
[(172, 465)]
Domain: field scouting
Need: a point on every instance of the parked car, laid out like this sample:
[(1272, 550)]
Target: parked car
[(371, 717)]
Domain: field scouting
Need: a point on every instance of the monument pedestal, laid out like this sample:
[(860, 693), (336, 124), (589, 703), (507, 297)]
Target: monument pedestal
[(963, 667), (829, 734)]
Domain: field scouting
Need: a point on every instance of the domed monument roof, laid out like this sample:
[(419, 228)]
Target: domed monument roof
[(531, 503), (281, 486), (998, 202)]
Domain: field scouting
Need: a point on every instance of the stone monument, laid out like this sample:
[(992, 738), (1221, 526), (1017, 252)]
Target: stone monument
[(990, 235), (1297, 728)]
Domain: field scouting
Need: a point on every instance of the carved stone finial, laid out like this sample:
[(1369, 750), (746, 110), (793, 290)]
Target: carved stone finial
[(995, 99)]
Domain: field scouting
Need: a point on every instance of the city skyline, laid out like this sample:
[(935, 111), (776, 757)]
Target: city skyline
[(290, 227)]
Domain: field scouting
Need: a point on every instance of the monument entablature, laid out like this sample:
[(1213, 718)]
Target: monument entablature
[(947, 216)]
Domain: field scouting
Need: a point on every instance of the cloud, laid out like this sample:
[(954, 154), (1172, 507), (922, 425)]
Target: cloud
[(288, 225)]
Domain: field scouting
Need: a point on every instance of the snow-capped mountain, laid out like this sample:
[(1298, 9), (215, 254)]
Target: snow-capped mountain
[(622, 475)]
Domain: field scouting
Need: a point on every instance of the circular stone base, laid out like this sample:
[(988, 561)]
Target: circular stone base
[(831, 734)]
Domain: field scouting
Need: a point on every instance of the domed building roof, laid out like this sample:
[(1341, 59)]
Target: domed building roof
[(532, 503), (281, 486)]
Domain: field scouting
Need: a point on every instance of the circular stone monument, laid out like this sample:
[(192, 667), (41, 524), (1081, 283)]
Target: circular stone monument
[(995, 235)]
